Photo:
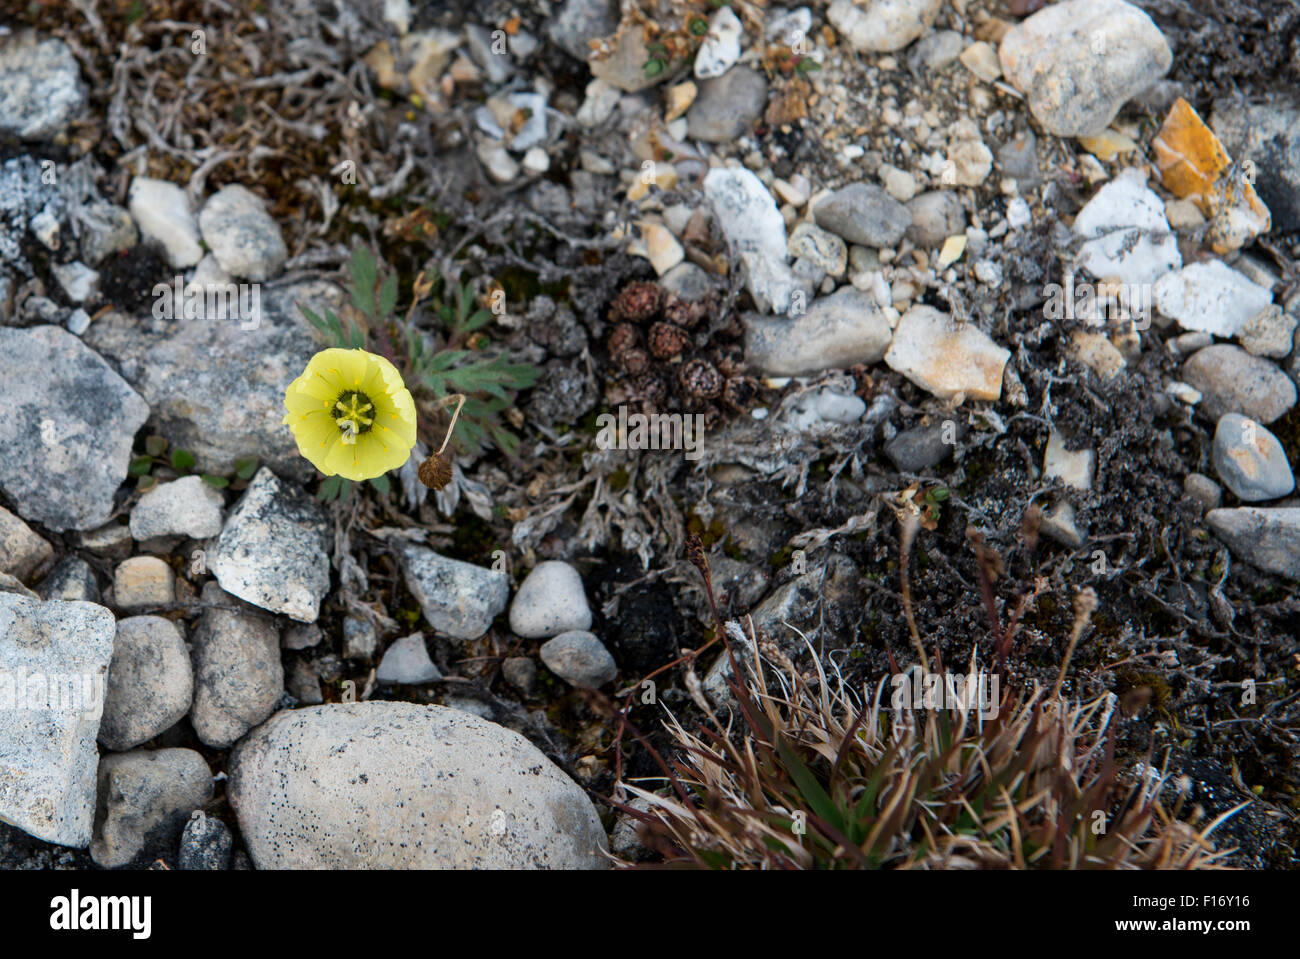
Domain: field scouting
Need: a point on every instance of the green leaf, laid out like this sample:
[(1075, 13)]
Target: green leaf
[(388, 296), (218, 481), (329, 488), (146, 483), (182, 460), (140, 466), (155, 445), (479, 319), (809, 787), (381, 483), (245, 468), (466, 302), (363, 280)]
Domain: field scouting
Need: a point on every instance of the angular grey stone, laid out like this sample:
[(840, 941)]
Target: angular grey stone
[(150, 682), (863, 213), (54, 660), (238, 677), (922, 447), (550, 601), (1273, 147), (1203, 489), (66, 427), (1230, 380), (184, 507), (389, 785), (579, 658), (936, 215), (143, 581), (272, 551), (40, 87), (71, 580), (107, 229), (459, 599), (1266, 538), (936, 50), (303, 684), (1250, 460), (407, 661), (521, 673), (206, 844), (1059, 523), (112, 540), (1079, 61), (727, 107), (754, 229), (217, 389), (581, 21), (145, 798), (241, 234), (22, 550), (844, 329), (359, 637)]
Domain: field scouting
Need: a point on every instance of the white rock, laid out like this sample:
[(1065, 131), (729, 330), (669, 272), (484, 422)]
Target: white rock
[(143, 581), (238, 676), (47, 776), (579, 658), (1077, 62), (657, 244), (150, 682), (841, 330), (459, 599), (162, 212), (721, 46), (1211, 298), (146, 797), (40, 86), (946, 360), (242, 236), (755, 229), (1073, 468), (1270, 332), (80, 283), (498, 162), (1126, 232), (22, 551), (550, 601), (184, 507), (407, 661), (271, 551), (390, 785), (536, 160), (882, 26)]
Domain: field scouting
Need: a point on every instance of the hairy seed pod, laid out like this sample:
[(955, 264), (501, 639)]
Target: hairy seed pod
[(652, 391), (634, 362), (684, 313), (623, 337), (699, 380), (667, 341), (636, 302), (435, 472), (740, 393)]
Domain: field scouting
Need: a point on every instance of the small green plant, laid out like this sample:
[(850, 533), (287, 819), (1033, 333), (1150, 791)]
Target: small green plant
[(460, 368), (181, 462)]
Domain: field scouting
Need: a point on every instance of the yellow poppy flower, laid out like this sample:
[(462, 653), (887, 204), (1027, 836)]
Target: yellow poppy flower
[(351, 414)]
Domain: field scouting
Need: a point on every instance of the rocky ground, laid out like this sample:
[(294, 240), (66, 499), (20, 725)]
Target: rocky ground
[(976, 263)]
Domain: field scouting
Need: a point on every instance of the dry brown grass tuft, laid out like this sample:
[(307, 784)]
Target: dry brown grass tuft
[(806, 773)]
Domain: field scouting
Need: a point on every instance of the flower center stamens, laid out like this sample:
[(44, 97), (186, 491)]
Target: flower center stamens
[(350, 411)]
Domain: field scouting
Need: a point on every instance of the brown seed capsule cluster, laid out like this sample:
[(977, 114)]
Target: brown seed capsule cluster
[(435, 472), (660, 360)]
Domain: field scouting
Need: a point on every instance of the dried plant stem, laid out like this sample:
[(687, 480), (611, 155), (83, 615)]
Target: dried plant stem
[(908, 524), (1084, 605), (459, 399)]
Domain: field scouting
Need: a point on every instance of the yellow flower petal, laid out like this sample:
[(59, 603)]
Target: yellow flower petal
[(316, 401)]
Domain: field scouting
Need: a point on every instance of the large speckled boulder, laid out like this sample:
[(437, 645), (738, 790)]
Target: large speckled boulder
[(386, 785)]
